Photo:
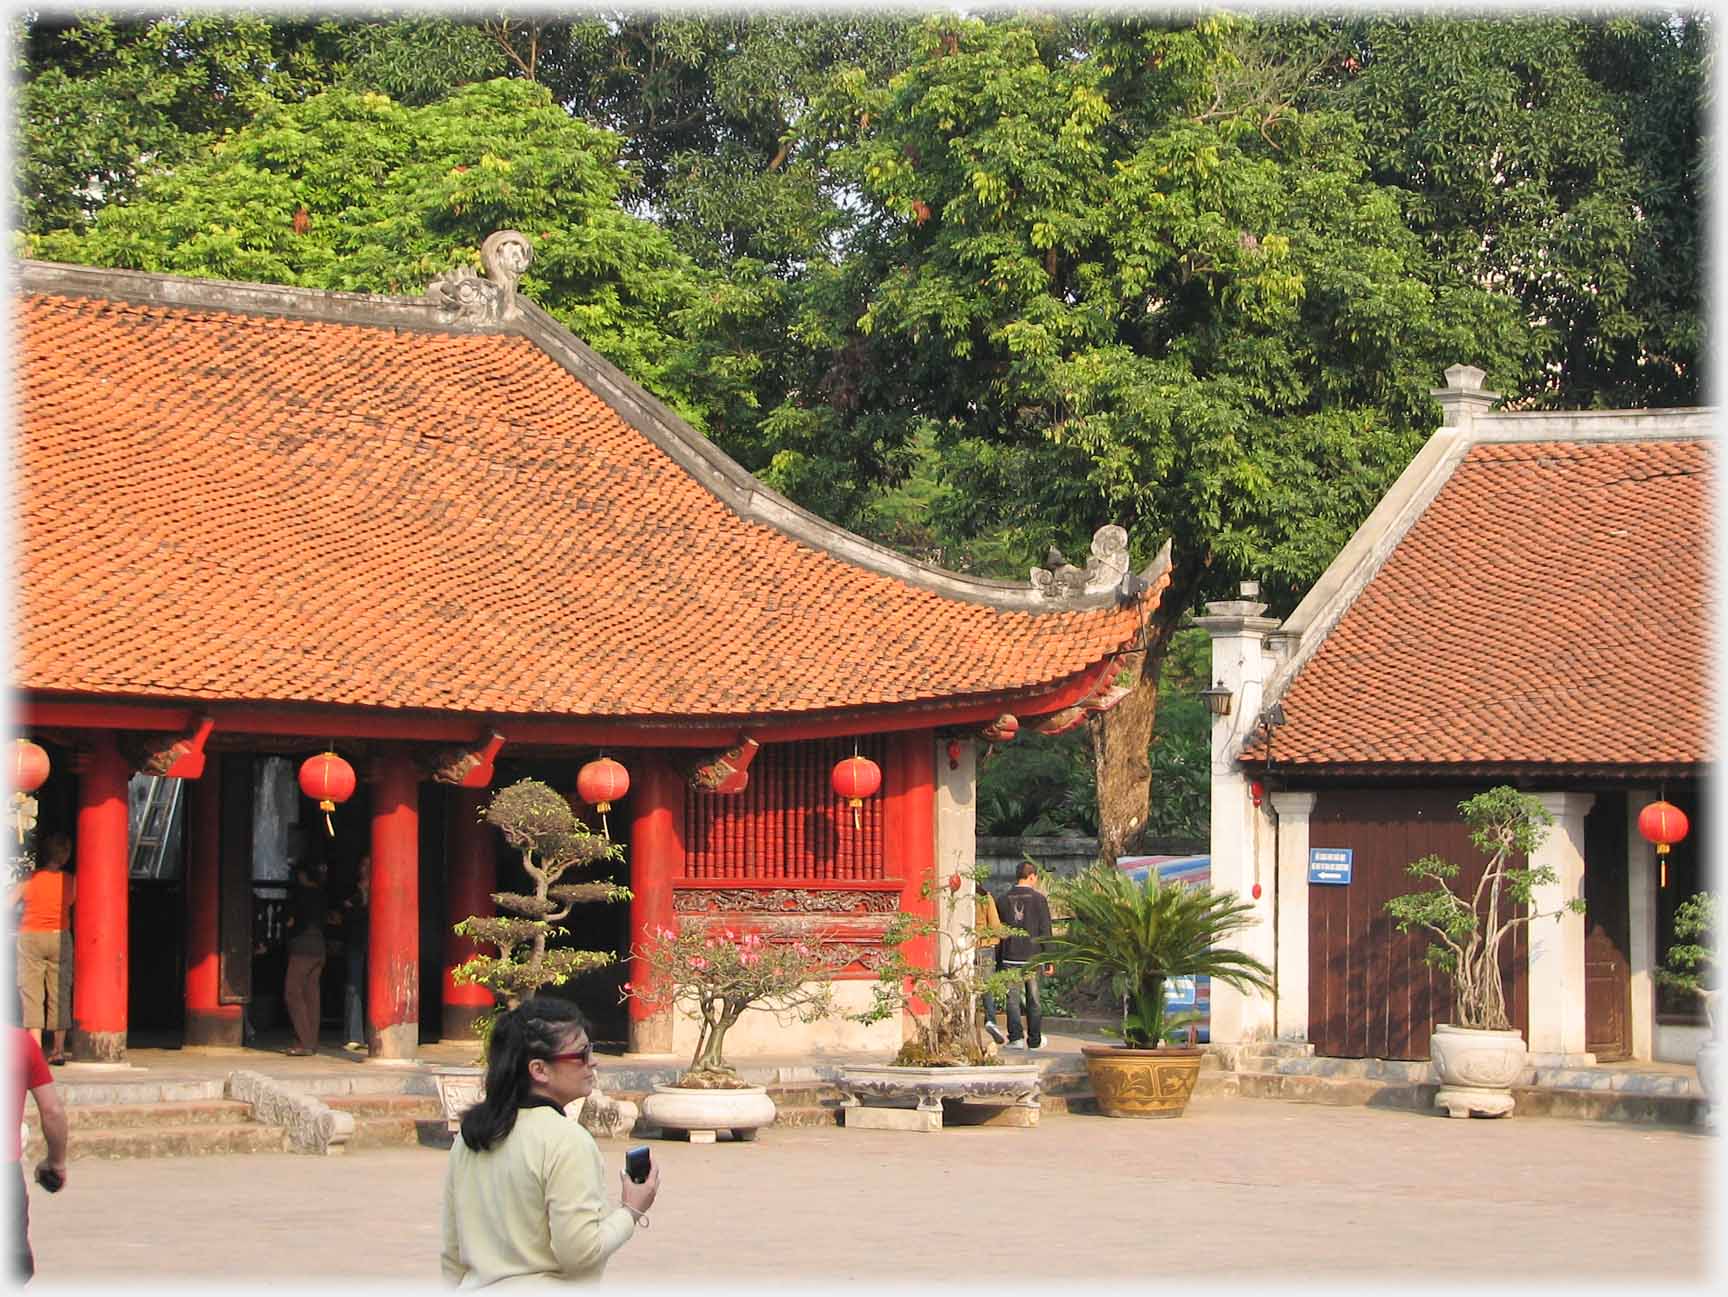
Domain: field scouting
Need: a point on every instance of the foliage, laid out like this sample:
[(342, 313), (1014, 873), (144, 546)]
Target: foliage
[(722, 974), (538, 823), (1692, 963), (354, 192), (1505, 824), (945, 991), (1134, 937)]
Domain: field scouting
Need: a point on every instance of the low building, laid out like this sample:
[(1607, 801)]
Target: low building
[(1530, 604), (442, 538)]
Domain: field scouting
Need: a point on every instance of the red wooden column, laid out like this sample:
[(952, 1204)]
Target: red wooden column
[(393, 956), (656, 858), (469, 889), (909, 807), (99, 938), (208, 1020)]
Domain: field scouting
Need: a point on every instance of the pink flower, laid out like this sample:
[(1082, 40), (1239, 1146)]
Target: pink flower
[(698, 963)]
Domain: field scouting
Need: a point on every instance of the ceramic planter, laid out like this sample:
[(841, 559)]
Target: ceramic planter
[(1142, 1082), (1477, 1069), (704, 1113), (459, 1089)]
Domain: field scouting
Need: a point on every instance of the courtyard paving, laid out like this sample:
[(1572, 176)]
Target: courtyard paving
[(1239, 1193)]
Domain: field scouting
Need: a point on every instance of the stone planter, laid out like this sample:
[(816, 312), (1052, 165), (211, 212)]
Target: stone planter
[(1142, 1082), (881, 1096), (1477, 1069), (459, 1089), (1709, 1064), (704, 1113)]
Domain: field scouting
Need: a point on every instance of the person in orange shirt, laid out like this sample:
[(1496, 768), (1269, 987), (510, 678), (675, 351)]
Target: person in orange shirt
[(45, 943)]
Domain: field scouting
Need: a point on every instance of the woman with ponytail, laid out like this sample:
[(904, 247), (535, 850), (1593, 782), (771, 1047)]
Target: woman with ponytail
[(524, 1194)]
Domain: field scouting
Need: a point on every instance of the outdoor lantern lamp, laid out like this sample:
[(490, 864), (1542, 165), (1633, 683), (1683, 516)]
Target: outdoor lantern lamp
[(1663, 824), (29, 772), (327, 779), (1217, 699), (600, 783), (856, 778)]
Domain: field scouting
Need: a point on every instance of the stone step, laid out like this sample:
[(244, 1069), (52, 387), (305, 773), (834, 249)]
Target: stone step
[(365, 1106), (80, 1093), (114, 1116), (391, 1120), (167, 1141)]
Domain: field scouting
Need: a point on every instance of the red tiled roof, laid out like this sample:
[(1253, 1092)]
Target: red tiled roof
[(228, 506), (1552, 605)]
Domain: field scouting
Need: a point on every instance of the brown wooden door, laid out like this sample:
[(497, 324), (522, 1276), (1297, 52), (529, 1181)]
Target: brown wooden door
[(1607, 929), (1370, 993)]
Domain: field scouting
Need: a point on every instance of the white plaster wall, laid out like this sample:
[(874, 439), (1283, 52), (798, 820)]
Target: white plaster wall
[(1556, 967), (956, 834), (760, 1034), (1642, 956), (1294, 812)]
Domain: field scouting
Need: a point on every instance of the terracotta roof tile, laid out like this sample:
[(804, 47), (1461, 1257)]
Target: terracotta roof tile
[(1551, 605), (227, 506)]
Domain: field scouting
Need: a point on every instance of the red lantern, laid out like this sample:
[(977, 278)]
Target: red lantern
[(29, 772), (327, 779), (1664, 824), (29, 766), (602, 782), (856, 778)]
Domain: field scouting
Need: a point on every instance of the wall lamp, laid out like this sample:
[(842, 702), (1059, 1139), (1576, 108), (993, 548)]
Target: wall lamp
[(1217, 699)]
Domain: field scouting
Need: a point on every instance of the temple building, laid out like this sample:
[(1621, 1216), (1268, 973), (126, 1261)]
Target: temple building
[(442, 539)]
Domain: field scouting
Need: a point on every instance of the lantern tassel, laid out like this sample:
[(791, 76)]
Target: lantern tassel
[(327, 807)]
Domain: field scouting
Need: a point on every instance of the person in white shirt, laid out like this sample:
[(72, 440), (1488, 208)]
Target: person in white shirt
[(524, 1190)]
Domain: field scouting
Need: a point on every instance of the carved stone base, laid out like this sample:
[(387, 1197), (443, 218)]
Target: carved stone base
[(1467, 1101)]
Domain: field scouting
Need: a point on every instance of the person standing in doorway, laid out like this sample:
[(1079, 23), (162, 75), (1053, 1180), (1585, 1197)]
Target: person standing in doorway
[(1024, 907), (355, 931), (305, 940), (45, 944)]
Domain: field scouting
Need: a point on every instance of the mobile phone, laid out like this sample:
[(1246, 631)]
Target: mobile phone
[(636, 1163), (49, 1178)]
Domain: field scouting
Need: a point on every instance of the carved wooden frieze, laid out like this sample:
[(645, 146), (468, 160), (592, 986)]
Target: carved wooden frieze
[(783, 900)]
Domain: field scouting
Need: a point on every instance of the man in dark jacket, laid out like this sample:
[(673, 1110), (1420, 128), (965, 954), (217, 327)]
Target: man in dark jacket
[(1023, 906)]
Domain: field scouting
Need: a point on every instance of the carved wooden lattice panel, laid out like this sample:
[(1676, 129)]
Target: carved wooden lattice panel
[(787, 823)]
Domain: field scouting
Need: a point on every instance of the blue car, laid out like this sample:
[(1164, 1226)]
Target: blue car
[(1193, 871)]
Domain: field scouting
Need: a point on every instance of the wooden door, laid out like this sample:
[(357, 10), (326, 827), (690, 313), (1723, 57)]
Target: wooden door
[(1607, 930), (1370, 992)]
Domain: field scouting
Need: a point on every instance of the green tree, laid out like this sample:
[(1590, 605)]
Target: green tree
[(352, 191), (1103, 299)]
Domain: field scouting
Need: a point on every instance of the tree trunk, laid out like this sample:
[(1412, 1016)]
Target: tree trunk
[(1122, 736)]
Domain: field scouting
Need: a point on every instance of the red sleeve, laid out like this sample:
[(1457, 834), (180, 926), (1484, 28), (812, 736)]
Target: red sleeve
[(35, 1068)]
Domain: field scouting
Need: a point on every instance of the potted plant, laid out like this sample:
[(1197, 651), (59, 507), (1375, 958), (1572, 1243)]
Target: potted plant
[(947, 1055), (715, 977), (1134, 937), (537, 821), (1691, 967), (1479, 1054)]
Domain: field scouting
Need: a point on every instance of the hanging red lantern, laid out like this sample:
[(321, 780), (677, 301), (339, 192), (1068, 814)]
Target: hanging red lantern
[(29, 772), (856, 778), (30, 766), (602, 782), (328, 780), (1664, 824)]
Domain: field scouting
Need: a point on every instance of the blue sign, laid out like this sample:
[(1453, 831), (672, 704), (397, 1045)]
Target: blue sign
[(1179, 993), (1330, 864)]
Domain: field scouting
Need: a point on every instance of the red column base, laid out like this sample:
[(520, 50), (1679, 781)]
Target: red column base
[(97, 1046), (458, 1021), (652, 1034), (214, 1027)]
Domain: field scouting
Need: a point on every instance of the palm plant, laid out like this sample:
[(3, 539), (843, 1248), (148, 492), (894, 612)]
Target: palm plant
[(1135, 937)]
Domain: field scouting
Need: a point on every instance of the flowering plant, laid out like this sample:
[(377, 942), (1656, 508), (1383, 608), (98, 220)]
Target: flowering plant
[(717, 974)]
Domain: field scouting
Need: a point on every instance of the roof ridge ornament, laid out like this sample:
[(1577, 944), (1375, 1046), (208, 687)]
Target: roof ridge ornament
[(463, 297), (1105, 569)]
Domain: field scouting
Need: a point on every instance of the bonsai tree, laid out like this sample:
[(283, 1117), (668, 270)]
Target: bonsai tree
[(1506, 825), (717, 976), (536, 820), (949, 1030), (1134, 937), (1691, 962)]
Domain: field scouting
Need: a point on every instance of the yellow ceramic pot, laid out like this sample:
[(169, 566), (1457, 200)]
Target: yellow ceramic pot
[(1142, 1082)]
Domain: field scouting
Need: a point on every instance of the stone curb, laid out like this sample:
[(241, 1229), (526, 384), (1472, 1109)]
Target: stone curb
[(309, 1125)]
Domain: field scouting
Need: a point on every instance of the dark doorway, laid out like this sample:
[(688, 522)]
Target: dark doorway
[(1607, 928)]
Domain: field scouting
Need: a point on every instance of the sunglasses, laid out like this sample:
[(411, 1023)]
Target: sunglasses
[(583, 1055)]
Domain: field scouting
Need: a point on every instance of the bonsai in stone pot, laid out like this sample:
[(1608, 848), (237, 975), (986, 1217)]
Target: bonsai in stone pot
[(715, 976), (1133, 937), (537, 821), (945, 989), (1691, 966), (1479, 1054)]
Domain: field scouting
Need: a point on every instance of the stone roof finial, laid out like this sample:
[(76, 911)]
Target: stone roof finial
[(463, 297), (1463, 397)]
